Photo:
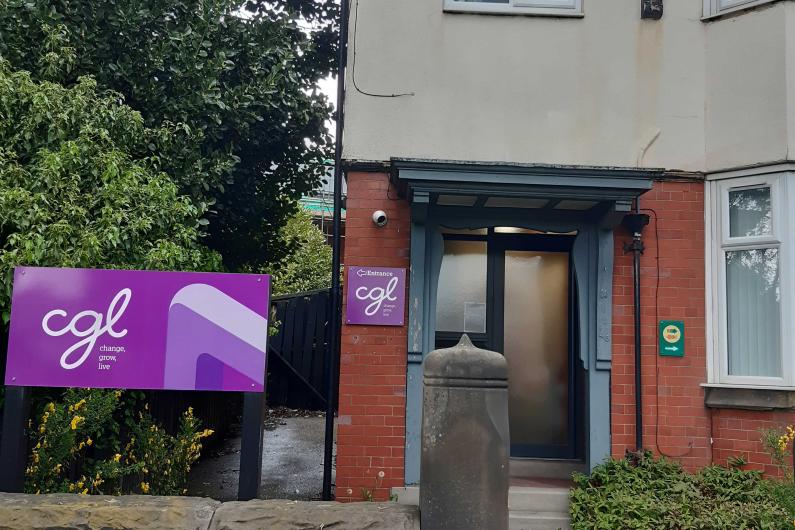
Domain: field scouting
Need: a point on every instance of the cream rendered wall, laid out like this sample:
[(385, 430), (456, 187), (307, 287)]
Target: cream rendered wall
[(590, 91), (750, 62), (790, 47)]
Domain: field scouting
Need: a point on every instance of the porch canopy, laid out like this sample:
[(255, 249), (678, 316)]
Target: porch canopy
[(588, 201), (587, 192)]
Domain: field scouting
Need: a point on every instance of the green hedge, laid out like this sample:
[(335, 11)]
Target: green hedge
[(643, 493)]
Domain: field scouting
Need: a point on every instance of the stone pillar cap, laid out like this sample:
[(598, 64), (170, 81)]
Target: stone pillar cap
[(465, 361)]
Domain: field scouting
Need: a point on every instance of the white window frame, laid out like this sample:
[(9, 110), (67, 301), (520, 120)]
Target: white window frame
[(714, 8), (560, 8), (718, 244)]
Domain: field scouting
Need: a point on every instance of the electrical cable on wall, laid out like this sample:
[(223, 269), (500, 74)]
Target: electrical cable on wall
[(389, 187), (657, 356), (353, 73)]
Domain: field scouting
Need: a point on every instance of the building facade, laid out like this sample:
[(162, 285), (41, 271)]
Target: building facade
[(507, 141)]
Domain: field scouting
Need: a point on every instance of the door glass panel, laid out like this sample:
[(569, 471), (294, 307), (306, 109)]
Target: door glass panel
[(461, 303), (536, 346)]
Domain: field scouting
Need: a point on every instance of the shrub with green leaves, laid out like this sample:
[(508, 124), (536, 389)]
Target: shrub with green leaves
[(73, 191), (308, 265), (240, 75), (643, 493), (93, 441)]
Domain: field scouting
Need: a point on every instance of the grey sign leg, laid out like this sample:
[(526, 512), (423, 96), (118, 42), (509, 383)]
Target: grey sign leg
[(13, 446), (251, 446)]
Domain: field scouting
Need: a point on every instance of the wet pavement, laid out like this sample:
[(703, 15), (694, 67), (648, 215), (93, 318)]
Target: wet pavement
[(292, 463)]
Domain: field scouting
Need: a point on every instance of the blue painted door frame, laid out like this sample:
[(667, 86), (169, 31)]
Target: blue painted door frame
[(592, 256)]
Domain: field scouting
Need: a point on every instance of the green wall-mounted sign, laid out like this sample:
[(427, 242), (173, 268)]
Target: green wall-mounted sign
[(672, 338)]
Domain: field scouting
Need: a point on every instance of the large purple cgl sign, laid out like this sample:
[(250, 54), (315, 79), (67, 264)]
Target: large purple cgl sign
[(376, 296), (138, 329)]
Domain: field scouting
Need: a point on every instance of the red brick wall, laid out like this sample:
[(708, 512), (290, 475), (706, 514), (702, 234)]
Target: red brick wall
[(676, 422), (371, 427)]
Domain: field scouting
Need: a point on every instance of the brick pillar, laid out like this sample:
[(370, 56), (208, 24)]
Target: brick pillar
[(371, 428)]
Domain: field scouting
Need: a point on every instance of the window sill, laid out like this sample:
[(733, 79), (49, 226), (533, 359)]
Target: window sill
[(514, 11), (733, 11), (749, 397)]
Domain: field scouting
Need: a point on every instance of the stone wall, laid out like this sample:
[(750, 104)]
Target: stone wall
[(78, 512)]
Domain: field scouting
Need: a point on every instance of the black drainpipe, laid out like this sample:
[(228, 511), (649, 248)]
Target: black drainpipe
[(634, 223), (335, 322)]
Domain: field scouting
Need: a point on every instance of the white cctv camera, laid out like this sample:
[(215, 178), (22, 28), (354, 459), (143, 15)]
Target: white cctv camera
[(380, 218)]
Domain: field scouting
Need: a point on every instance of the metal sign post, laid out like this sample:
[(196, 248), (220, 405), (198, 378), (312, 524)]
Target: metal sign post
[(251, 446), (13, 449)]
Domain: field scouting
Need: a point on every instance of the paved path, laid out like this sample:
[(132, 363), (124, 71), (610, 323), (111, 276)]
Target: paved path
[(292, 464)]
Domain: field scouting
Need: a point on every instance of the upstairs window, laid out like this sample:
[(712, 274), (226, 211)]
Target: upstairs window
[(517, 7), (719, 7)]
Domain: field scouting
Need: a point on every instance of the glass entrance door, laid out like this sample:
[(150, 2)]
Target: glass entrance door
[(512, 293)]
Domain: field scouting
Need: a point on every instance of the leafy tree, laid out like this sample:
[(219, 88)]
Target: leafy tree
[(308, 266), (73, 193), (239, 76)]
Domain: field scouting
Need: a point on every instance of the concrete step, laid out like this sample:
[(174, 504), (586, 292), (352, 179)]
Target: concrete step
[(531, 508), (538, 499), (528, 520), (545, 468)]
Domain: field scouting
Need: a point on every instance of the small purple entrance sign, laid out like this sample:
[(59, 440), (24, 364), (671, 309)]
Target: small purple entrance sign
[(138, 329), (376, 296)]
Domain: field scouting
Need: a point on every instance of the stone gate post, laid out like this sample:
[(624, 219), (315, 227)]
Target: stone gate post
[(465, 442)]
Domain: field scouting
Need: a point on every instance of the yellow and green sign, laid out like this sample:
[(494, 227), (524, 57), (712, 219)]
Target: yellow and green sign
[(672, 338)]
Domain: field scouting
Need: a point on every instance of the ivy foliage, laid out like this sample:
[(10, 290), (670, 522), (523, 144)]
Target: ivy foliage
[(75, 192), (642, 493), (308, 265), (234, 80)]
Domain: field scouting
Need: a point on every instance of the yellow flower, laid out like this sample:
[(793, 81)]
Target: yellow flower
[(116, 457), (144, 487), (51, 407), (84, 492), (89, 441), (76, 421)]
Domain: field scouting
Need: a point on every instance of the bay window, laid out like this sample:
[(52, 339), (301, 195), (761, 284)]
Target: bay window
[(750, 264)]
